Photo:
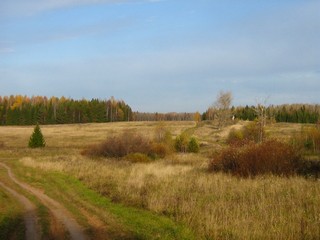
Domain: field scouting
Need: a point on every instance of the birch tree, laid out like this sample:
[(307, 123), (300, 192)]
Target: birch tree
[(222, 108)]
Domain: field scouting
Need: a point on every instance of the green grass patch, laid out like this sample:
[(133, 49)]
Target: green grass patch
[(43, 214), (123, 222)]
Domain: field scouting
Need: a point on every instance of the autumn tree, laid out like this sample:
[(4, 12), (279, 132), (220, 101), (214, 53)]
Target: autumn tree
[(197, 117), (222, 108), (181, 142)]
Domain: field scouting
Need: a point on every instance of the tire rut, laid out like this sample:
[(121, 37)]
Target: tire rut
[(30, 216), (59, 212)]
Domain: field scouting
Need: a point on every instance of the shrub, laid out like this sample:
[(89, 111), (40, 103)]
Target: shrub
[(160, 150), (182, 142), (127, 144), (1, 144), (269, 157), (245, 135), (193, 145), (310, 168), (36, 139), (251, 132), (120, 146), (235, 136), (161, 134), (163, 144)]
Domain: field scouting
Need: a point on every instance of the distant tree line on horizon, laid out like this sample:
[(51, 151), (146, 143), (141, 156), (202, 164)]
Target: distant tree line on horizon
[(23, 110), (292, 113), (172, 116)]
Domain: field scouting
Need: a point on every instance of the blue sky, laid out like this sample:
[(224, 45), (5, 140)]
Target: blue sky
[(162, 55)]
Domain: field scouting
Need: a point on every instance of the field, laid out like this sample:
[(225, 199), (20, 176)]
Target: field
[(171, 198)]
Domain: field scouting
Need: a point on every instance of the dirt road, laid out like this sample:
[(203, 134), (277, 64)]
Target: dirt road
[(59, 212), (30, 216)]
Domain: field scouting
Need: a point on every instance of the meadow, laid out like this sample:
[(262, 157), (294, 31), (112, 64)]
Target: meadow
[(178, 188)]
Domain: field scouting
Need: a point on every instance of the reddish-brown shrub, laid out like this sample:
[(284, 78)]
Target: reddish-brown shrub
[(120, 146), (270, 157), (127, 144)]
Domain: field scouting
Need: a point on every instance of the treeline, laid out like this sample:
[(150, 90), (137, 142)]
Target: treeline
[(293, 113), (173, 116), (23, 110)]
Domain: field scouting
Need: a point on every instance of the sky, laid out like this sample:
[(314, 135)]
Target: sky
[(162, 55)]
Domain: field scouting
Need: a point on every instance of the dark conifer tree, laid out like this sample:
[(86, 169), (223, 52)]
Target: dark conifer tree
[(37, 140)]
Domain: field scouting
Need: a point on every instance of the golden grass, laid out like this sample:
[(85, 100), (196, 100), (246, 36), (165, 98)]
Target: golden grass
[(215, 206), (78, 135)]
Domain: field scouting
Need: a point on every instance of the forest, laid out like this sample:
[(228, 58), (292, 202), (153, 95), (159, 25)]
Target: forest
[(290, 113), (24, 110)]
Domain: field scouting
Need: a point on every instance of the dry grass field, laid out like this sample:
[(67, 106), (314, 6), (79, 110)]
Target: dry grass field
[(212, 205)]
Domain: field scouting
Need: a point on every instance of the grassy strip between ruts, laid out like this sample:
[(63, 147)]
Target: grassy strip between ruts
[(122, 222)]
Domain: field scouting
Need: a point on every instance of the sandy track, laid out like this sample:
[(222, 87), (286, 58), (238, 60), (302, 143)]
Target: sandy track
[(59, 212)]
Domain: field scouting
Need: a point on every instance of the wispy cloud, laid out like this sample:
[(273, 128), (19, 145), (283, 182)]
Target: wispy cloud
[(31, 7)]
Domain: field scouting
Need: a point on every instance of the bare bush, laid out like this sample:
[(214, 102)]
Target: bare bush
[(269, 157), (120, 146), (127, 144)]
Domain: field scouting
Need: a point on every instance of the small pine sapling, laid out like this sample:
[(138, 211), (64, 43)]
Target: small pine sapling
[(193, 145), (36, 139)]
